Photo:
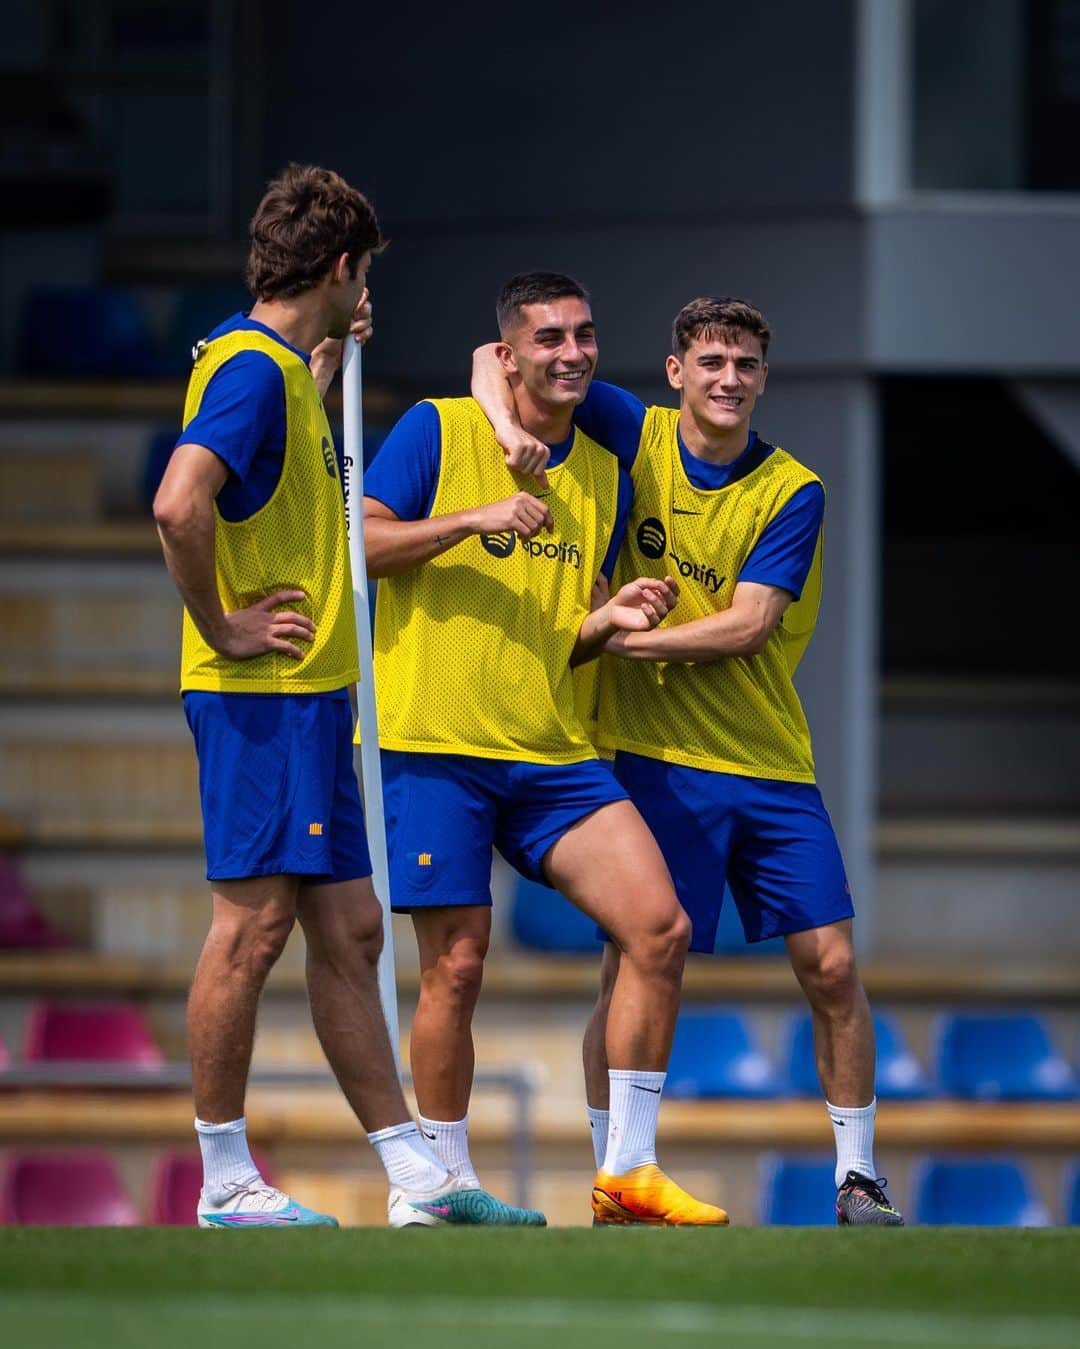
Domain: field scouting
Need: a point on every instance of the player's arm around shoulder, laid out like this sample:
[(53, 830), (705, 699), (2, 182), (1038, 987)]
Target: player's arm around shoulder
[(184, 514), (743, 629)]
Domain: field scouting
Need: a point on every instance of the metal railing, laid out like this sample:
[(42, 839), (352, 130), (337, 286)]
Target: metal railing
[(518, 1083)]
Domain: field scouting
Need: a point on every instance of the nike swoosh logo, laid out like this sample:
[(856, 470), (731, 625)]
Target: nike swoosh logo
[(439, 1210), (653, 1091), (842, 1122), (676, 511), (427, 1135)]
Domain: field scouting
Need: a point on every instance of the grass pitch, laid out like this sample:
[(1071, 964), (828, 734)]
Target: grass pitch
[(568, 1288)]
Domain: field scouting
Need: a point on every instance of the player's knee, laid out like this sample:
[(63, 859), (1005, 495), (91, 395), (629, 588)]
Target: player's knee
[(460, 970), (835, 978), (255, 945), (661, 950)]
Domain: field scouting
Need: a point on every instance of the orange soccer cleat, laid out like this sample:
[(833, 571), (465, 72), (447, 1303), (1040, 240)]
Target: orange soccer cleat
[(647, 1197)]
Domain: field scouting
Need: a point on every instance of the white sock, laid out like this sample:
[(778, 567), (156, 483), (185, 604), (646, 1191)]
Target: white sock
[(598, 1129), (853, 1127), (407, 1159), (449, 1141), (226, 1158), (634, 1106)]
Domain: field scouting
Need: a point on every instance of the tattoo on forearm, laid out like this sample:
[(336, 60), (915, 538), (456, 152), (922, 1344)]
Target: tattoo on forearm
[(442, 539)]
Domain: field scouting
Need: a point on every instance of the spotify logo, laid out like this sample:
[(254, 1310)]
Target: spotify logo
[(651, 538), (499, 545)]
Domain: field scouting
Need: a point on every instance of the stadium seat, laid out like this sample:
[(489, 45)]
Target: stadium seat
[(1072, 1196), (21, 926), (175, 1182), (715, 1054), (900, 1075), (84, 331), (541, 919), (198, 312), (5, 1057), (994, 1193), (731, 940), (90, 1033), (798, 1191), (64, 1189), (1002, 1057)]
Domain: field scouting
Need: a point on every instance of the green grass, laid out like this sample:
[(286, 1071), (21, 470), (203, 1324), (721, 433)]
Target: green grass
[(561, 1289)]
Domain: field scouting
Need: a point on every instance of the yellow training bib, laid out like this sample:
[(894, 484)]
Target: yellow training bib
[(472, 648), (739, 714), (295, 541)]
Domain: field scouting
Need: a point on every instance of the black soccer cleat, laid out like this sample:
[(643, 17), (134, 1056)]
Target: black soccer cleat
[(862, 1202)]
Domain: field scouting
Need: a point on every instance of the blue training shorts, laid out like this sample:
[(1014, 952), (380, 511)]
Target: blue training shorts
[(772, 842), (279, 794), (445, 813)]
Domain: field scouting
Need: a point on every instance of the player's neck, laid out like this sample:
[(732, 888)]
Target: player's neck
[(712, 445), (552, 426), (297, 320)]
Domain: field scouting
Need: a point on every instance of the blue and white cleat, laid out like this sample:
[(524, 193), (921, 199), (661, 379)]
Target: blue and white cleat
[(260, 1205), (457, 1206)]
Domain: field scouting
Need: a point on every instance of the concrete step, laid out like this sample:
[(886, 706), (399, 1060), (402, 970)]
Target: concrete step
[(91, 626), (1001, 746), (44, 488)]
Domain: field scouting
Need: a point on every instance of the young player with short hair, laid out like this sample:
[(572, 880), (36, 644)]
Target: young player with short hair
[(701, 713), (251, 517), (484, 605)]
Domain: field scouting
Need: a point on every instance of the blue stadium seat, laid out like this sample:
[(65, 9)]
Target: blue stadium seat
[(158, 452), (900, 1075), (731, 940), (716, 1054), (542, 919), (994, 1193), (1001, 1057), (1072, 1196), (798, 1191), (198, 312), (84, 331)]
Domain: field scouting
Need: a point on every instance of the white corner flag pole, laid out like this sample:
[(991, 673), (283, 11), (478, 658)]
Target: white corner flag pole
[(370, 774)]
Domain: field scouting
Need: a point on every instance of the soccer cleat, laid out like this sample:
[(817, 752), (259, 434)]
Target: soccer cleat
[(862, 1202), (457, 1206), (260, 1205), (646, 1197)]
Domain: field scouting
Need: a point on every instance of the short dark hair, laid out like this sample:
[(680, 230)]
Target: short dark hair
[(307, 219), (710, 317), (533, 288)]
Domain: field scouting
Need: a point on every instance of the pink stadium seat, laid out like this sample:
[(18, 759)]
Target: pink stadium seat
[(21, 926), (5, 1057), (64, 1189), (90, 1033), (176, 1182)]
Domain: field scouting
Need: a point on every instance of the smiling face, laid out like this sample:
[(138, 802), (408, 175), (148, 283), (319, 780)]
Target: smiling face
[(720, 377), (552, 348)]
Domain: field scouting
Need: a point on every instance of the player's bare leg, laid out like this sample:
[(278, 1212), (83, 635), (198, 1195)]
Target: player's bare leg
[(453, 941), (343, 927), (250, 924), (823, 960), (609, 865)]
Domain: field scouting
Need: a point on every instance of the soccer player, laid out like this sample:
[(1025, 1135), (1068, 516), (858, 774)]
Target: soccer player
[(708, 733), (484, 605), (252, 522)]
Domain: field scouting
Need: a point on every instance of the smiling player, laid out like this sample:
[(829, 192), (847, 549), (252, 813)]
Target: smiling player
[(483, 608), (709, 735)]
